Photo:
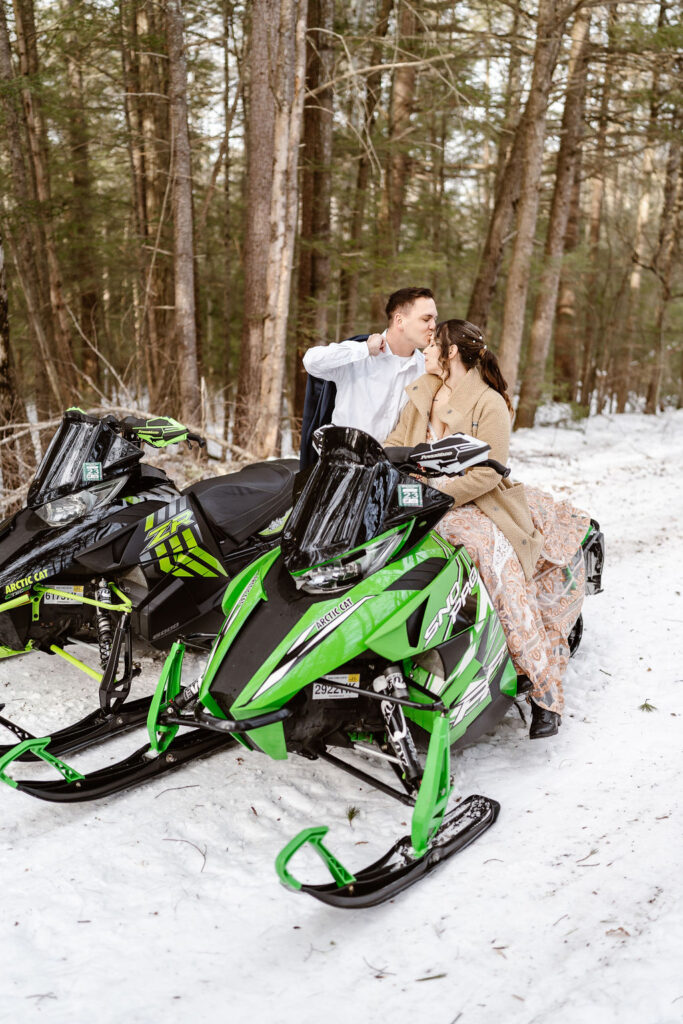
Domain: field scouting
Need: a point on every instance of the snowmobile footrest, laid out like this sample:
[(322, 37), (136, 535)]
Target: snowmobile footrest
[(399, 868), (139, 767)]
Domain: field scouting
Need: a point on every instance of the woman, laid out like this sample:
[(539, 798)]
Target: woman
[(522, 542)]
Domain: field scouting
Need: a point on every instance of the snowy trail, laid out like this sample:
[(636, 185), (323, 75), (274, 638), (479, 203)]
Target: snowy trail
[(163, 902)]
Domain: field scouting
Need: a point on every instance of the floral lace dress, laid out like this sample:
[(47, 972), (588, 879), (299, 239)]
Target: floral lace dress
[(537, 615)]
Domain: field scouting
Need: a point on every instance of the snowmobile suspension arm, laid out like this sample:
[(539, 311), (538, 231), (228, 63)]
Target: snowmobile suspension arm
[(125, 606), (76, 662), (231, 726), (36, 594), (358, 773)]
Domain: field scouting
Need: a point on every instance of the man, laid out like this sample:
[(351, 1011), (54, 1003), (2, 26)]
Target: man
[(371, 374)]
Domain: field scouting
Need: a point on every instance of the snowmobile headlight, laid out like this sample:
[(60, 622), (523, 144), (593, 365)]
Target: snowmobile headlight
[(337, 575), (73, 506)]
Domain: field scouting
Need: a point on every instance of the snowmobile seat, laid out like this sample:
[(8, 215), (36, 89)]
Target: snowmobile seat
[(242, 503)]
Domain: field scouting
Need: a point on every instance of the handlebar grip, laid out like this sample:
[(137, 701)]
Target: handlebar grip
[(196, 437), (498, 466), (399, 456)]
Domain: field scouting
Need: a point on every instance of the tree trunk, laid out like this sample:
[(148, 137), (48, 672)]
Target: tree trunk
[(147, 116), (565, 362), (131, 106), (398, 160), (259, 180), (183, 240), (513, 102), (348, 285), (228, 111), (624, 371), (289, 94), (550, 25), (669, 229), (37, 139), (25, 238), (277, 79), (316, 192), (13, 456), (567, 159), (83, 250), (594, 328), (510, 180)]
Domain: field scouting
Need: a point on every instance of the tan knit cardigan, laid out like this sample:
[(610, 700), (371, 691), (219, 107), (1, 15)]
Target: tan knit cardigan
[(480, 411)]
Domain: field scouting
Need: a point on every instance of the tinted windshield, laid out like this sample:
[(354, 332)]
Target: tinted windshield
[(351, 496), (82, 451)]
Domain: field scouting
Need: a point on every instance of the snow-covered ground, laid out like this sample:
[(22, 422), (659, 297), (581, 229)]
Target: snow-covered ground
[(163, 904)]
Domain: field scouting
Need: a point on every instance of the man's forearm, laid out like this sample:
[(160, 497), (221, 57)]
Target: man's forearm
[(327, 361)]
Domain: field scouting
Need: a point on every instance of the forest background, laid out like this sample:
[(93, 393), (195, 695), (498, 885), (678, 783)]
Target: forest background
[(192, 192)]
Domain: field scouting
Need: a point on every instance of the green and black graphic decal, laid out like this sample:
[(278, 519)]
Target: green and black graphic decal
[(172, 543)]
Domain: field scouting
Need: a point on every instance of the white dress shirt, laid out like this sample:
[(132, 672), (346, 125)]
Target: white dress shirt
[(370, 389)]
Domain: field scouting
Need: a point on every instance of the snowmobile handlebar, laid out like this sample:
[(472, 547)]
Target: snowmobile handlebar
[(429, 461), (159, 431)]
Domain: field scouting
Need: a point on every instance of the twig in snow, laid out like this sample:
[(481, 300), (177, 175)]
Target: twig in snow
[(171, 789), (201, 852), (381, 971)]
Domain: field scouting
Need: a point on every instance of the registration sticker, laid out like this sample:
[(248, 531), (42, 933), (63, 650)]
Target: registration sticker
[(92, 472), (410, 495), (62, 597), (328, 691)]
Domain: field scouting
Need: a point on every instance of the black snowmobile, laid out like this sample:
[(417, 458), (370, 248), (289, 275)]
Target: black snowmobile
[(107, 550), (364, 632)]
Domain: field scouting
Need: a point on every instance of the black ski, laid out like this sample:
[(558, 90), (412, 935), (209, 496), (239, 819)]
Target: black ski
[(399, 868), (95, 727), (139, 767)]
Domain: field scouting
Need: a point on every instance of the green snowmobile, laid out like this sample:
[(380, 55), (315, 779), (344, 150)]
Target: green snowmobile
[(365, 631)]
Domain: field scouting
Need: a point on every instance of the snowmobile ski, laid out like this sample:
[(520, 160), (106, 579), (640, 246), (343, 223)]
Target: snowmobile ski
[(97, 726), (139, 767), (396, 870)]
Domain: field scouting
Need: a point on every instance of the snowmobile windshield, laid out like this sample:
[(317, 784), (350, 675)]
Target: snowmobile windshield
[(354, 512), (84, 451)]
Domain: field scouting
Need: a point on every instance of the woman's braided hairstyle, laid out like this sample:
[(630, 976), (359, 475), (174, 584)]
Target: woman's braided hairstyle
[(469, 340)]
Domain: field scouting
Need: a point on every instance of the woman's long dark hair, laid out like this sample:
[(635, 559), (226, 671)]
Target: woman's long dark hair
[(469, 341)]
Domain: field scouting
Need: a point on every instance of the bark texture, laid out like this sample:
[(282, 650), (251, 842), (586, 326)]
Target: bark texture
[(15, 458), (25, 237), (397, 165), (183, 235), (550, 24), (277, 78), (669, 229), (567, 160), (350, 274), (36, 132), (530, 128), (316, 192)]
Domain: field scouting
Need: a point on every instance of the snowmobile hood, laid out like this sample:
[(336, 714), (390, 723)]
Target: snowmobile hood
[(276, 640), (33, 552)]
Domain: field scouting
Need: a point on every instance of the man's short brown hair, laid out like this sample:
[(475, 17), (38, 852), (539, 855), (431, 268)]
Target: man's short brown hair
[(405, 297)]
